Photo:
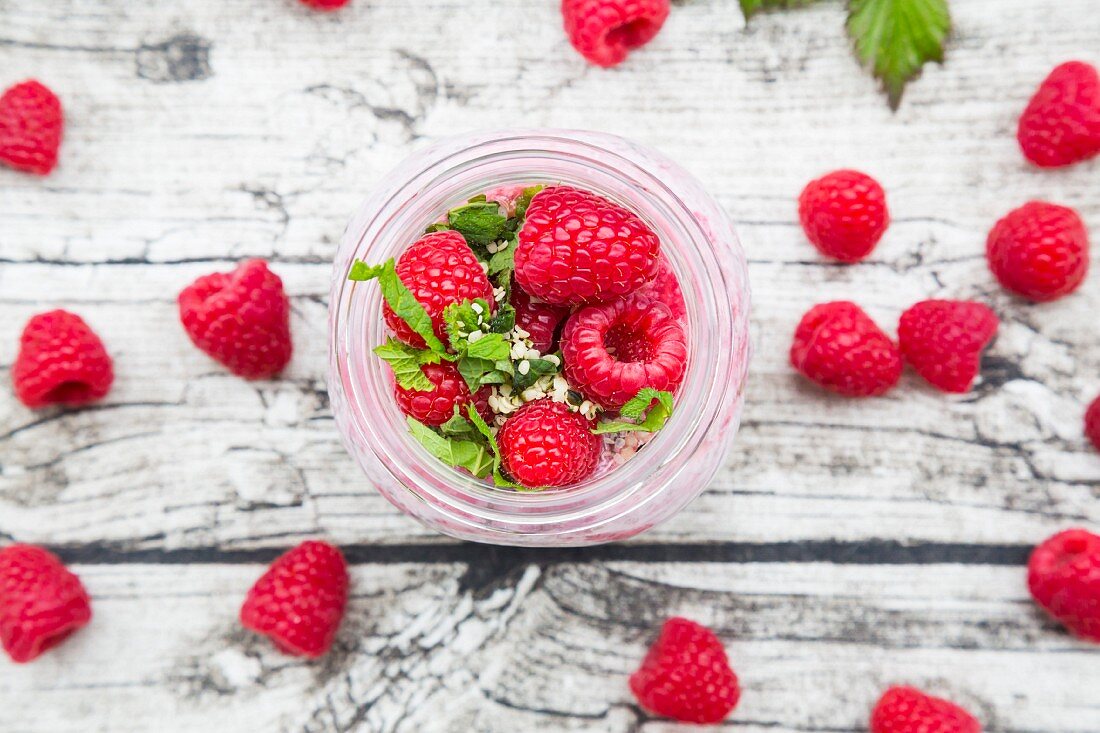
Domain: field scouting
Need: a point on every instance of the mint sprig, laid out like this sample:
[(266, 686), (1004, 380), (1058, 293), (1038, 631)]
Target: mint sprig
[(479, 222), (399, 298), (648, 412), (486, 359), (405, 361), (895, 38), (499, 478), (537, 368), (472, 455)]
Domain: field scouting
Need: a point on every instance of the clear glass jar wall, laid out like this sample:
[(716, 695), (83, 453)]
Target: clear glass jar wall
[(699, 241)]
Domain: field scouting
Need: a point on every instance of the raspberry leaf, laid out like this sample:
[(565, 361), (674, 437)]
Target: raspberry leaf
[(648, 410), (895, 38), (468, 454), (399, 298), (482, 427), (752, 7), (405, 361)]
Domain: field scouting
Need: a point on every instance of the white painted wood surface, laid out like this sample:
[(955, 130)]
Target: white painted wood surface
[(847, 545)]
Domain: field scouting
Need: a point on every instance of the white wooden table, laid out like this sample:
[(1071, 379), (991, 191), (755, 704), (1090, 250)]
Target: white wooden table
[(846, 545)]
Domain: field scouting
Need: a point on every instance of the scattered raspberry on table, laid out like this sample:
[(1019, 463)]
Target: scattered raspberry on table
[(606, 31), (908, 710), (324, 4), (31, 123), (544, 444), (612, 350), (844, 214), (1039, 250), (943, 340), (241, 319), (61, 361), (299, 602), (438, 269), (837, 346), (686, 675), (1063, 576), (1061, 124), (41, 602), (1092, 423), (437, 406), (576, 247)]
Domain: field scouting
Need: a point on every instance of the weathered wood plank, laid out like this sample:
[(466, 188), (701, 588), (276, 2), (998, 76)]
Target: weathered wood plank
[(451, 648)]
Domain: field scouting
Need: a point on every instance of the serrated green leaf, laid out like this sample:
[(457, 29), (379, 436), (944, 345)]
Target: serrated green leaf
[(491, 346), (475, 457), (459, 427), (895, 38), (538, 368), (399, 298), (499, 478), (504, 260), (524, 200), (645, 416), (751, 7), (479, 372), (479, 222), (504, 320), (405, 361)]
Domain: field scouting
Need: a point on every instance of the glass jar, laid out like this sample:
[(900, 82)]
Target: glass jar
[(698, 239)]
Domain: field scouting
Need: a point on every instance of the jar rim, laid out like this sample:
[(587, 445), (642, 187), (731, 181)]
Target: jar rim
[(707, 257)]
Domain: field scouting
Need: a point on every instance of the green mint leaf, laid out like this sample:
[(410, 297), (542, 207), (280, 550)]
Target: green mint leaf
[(524, 200), (361, 271), (499, 479), (462, 319), (479, 222), (459, 427), (479, 372), (468, 454), (399, 298), (437, 227), (504, 320), (503, 261), (895, 38), (477, 199), (405, 361), (752, 7), (646, 418), (538, 368), (491, 346)]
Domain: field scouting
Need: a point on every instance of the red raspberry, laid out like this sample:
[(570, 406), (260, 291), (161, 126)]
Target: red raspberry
[(438, 406), (844, 214), (299, 602), (41, 602), (324, 4), (1092, 423), (605, 31), (539, 319), (1061, 124), (612, 350), (439, 269), (666, 288), (544, 444), (908, 710), (61, 361), (944, 339), (576, 247), (1063, 576), (1039, 251), (686, 675), (839, 347), (30, 127), (240, 319)]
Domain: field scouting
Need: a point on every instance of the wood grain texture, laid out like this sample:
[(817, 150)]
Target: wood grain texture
[(845, 545), (450, 648)]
